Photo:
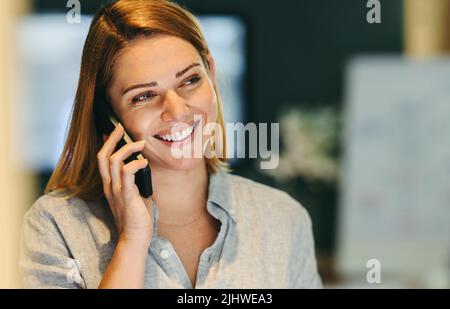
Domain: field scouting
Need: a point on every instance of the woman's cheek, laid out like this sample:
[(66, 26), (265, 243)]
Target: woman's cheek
[(211, 105), (138, 127), (211, 118)]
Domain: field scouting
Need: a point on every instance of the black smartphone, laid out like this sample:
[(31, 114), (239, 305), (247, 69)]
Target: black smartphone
[(105, 123)]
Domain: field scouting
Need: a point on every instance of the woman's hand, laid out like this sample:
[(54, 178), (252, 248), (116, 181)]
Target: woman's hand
[(133, 214)]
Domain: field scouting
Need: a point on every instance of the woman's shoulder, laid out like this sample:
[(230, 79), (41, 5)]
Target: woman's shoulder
[(53, 207), (259, 199), (47, 205)]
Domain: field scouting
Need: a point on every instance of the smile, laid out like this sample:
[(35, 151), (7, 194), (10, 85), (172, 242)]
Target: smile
[(179, 135)]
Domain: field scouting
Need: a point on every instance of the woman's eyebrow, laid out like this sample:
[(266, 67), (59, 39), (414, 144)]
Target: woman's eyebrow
[(186, 69), (154, 83)]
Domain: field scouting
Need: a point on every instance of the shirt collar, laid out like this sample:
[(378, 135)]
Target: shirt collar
[(220, 192)]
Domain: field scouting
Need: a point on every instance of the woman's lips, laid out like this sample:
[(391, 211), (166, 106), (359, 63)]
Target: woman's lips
[(169, 143), (175, 128)]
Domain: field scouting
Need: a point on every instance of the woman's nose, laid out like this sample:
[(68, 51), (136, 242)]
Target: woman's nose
[(174, 107)]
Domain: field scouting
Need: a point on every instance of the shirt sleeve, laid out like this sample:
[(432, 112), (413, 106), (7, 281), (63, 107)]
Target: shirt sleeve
[(308, 276), (45, 261)]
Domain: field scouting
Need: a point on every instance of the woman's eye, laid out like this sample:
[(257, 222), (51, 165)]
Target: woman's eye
[(193, 80), (143, 97)]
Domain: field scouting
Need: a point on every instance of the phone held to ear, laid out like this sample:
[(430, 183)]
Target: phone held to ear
[(105, 122)]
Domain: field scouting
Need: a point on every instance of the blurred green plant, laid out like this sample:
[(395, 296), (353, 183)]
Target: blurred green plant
[(309, 138)]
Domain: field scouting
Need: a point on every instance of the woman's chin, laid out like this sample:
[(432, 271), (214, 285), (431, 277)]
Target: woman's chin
[(184, 163)]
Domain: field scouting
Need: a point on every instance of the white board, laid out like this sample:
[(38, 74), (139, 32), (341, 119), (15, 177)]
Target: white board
[(395, 177)]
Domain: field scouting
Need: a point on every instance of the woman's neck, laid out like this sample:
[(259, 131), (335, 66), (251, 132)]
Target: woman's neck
[(180, 195)]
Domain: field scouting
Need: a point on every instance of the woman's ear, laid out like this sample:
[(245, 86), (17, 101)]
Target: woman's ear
[(211, 66)]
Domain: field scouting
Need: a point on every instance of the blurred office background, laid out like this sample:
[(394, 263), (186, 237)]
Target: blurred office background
[(363, 109)]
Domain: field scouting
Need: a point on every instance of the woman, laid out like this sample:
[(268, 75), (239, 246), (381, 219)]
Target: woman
[(202, 227)]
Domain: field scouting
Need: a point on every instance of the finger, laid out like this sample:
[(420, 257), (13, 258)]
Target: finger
[(128, 177), (105, 152), (116, 163), (111, 142), (127, 150)]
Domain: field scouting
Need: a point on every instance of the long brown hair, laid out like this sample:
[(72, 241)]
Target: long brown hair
[(113, 27)]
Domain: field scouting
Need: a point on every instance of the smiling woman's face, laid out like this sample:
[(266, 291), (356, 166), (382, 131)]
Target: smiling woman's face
[(159, 84)]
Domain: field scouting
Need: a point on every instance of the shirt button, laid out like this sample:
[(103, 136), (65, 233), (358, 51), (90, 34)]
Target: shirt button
[(164, 254)]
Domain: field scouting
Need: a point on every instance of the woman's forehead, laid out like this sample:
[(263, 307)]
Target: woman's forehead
[(157, 49), (154, 57)]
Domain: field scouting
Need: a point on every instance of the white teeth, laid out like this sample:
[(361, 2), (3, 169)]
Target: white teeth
[(177, 136)]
